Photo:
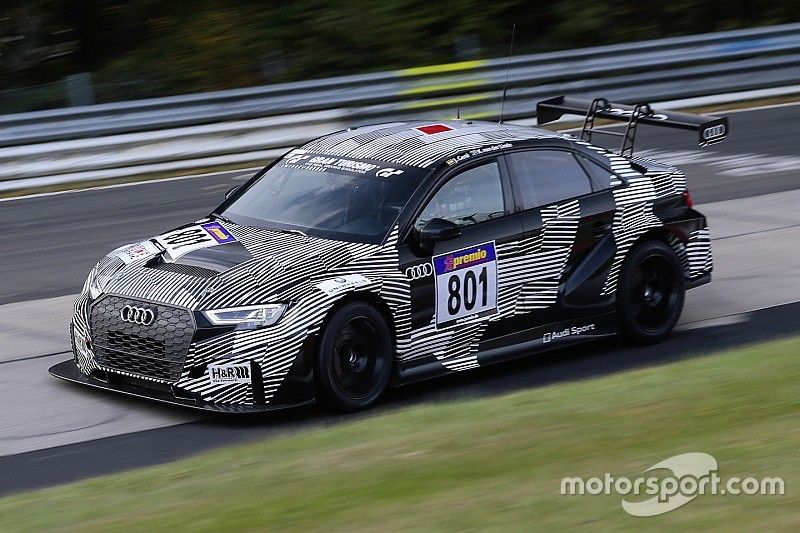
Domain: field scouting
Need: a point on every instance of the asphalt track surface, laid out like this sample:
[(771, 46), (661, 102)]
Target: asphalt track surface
[(52, 241)]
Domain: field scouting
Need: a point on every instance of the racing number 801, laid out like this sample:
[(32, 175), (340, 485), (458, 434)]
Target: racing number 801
[(466, 284), (470, 291)]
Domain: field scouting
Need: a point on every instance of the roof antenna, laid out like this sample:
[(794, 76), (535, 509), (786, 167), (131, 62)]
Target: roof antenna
[(458, 113), (508, 69)]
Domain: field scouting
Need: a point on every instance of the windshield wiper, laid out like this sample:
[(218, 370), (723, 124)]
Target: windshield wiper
[(295, 231), (222, 218)]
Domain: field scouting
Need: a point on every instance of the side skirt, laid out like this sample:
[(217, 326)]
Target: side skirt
[(532, 341)]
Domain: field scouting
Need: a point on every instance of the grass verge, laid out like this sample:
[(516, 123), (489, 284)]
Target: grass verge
[(490, 464)]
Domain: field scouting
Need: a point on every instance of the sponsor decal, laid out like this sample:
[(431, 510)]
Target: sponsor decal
[(462, 259), (302, 159), (477, 151), (567, 332), (296, 156), (322, 163), (137, 251), (388, 172), (433, 129), (218, 232), (628, 112), (83, 345), (466, 284), (234, 373), (340, 284)]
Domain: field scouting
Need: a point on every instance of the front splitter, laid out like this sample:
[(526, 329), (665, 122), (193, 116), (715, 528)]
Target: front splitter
[(68, 371)]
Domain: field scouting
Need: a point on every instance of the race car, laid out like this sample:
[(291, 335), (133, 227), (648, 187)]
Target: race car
[(387, 254)]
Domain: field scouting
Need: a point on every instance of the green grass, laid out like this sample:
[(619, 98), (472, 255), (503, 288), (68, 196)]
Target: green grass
[(490, 464)]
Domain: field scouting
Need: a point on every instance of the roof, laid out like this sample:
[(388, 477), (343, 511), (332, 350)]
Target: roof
[(421, 144)]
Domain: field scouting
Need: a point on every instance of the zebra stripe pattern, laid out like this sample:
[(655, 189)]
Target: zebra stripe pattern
[(288, 267), (401, 143)]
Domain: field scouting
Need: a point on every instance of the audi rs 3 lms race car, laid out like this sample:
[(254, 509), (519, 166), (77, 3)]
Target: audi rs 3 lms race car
[(392, 253)]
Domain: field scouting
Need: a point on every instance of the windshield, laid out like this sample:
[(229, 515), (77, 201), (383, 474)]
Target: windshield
[(346, 199)]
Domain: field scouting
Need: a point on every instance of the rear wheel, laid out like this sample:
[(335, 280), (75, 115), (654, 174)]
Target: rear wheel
[(651, 292), (355, 356)]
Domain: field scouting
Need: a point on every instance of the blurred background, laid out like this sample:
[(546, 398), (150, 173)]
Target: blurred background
[(55, 53), (109, 91)]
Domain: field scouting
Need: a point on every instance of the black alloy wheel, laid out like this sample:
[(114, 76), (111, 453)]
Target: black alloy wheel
[(354, 361), (651, 292)]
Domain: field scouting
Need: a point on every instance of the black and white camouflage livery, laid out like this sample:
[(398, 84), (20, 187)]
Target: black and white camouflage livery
[(271, 367)]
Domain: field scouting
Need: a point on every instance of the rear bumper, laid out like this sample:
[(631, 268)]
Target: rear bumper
[(68, 371)]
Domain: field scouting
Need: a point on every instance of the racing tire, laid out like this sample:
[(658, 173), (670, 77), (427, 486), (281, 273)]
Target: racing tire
[(354, 358), (651, 293)]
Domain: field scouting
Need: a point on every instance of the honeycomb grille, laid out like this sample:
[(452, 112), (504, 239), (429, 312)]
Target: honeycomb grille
[(156, 351)]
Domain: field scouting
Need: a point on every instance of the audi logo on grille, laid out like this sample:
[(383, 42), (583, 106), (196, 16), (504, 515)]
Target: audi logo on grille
[(714, 131), (137, 315), (423, 270)]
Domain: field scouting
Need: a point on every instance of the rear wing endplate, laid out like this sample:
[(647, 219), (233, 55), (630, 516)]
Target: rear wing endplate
[(710, 130)]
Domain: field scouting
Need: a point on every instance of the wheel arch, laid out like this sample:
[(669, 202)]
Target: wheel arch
[(368, 297), (300, 383), (670, 236)]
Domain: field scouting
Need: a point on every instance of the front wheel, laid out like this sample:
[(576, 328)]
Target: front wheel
[(651, 293), (355, 356)]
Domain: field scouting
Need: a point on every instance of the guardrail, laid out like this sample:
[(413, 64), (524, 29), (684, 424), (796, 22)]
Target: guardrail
[(236, 122)]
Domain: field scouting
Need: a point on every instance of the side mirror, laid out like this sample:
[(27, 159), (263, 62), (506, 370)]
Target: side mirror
[(231, 191), (438, 229)]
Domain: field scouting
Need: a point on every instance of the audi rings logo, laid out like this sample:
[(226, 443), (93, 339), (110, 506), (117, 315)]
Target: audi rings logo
[(423, 270), (137, 315), (714, 131)]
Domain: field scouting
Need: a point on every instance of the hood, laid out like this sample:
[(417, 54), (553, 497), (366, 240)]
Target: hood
[(212, 260), (221, 264)]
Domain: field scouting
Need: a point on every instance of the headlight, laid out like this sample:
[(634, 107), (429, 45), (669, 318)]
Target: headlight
[(249, 317), (94, 283), (97, 282), (94, 288)]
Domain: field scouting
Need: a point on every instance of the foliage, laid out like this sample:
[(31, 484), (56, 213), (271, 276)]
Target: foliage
[(139, 48)]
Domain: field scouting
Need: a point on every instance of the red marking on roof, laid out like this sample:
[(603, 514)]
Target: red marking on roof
[(433, 128)]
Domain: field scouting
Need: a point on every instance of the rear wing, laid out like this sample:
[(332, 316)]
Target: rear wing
[(710, 130)]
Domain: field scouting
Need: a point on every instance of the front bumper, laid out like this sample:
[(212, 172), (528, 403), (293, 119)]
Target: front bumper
[(184, 379), (69, 371), (698, 281)]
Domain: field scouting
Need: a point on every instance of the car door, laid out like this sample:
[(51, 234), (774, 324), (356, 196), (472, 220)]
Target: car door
[(568, 213), (454, 282)]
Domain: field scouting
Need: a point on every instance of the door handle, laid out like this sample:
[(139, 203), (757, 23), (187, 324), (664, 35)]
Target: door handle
[(600, 228)]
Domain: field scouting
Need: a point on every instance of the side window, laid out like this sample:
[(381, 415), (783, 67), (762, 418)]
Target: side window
[(467, 198), (543, 177), (601, 177)]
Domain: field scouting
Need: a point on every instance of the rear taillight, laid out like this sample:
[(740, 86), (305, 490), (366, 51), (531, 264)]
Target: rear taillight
[(688, 199)]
